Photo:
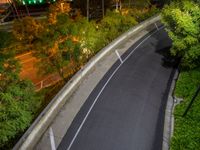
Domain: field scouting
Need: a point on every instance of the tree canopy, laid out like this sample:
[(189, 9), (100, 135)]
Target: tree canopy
[(57, 45), (18, 101), (181, 19)]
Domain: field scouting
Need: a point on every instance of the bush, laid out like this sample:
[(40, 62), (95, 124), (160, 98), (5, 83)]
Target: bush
[(18, 107), (90, 34)]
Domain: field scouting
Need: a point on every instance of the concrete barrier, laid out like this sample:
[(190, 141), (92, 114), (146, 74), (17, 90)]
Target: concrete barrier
[(34, 133)]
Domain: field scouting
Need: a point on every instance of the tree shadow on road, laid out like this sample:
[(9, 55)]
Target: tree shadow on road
[(168, 60)]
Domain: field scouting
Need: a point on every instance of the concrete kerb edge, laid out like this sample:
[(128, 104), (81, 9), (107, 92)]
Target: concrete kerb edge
[(39, 126), (169, 116)]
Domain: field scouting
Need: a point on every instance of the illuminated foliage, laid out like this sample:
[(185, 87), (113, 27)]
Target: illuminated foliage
[(57, 46), (27, 29), (62, 43), (182, 23), (18, 101), (60, 7), (114, 23), (140, 14)]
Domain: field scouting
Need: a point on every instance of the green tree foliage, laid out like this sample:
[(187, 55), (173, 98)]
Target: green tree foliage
[(141, 3), (18, 101), (186, 133), (114, 23), (89, 34), (181, 19), (60, 7), (57, 42), (25, 31), (58, 45)]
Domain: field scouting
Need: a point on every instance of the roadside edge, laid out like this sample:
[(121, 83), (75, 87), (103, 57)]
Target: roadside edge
[(169, 116)]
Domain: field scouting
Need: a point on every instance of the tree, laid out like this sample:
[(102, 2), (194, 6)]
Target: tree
[(57, 46), (93, 5), (60, 7), (26, 31), (18, 101), (181, 19)]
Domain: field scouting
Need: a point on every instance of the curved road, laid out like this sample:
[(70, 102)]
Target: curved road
[(126, 109)]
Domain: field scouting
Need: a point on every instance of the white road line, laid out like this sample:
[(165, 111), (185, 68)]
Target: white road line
[(156, 26), (119, 56), (51, 135), (77, 132)]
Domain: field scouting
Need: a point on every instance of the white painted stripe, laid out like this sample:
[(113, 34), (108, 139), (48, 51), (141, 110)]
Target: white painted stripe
[(119, 56), (156, 26), (51, 135), (91, 107)]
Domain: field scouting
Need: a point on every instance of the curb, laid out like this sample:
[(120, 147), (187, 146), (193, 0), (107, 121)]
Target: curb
[(169, 116), (39, 126)]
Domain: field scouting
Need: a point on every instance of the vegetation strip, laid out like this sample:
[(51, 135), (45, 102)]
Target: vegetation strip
[(182, 23), (169, 117)]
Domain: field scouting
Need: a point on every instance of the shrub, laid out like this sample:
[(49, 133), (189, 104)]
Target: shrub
[(25, 31)]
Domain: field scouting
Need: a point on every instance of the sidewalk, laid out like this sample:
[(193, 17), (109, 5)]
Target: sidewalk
[(66, 115)]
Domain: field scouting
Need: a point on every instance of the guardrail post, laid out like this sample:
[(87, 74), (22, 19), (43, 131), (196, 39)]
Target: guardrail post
[(156, 26), (41, 84)]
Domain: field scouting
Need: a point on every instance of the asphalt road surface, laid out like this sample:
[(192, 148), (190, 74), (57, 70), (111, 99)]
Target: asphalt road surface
[(126, 109)]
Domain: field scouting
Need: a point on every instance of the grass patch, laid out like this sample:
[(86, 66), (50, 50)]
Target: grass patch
[(187, 130)]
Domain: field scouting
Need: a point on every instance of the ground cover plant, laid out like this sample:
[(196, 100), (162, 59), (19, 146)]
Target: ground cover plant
[(186, 134)]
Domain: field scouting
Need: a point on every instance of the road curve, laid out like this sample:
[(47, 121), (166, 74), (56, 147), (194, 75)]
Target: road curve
[(126, 109)]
